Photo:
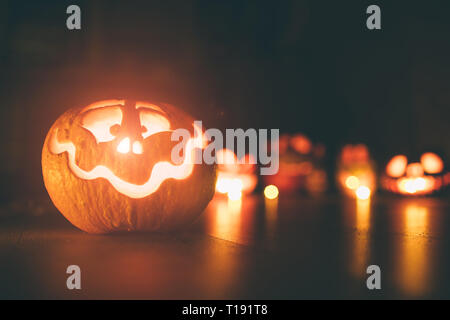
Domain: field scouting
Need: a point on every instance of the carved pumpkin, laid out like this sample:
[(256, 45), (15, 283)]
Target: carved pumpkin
[(107, 167), (299, 165), (235, 177), (415, 178), (356, 175)]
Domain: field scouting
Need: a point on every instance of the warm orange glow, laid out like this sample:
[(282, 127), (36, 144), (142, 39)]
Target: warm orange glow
[(356, 171), (363, 193), (161, 170), (234, 177), (222, 185), (101, 117), (233, 220), (355, 178), (227, 160), (271, 192), (363, 214), (420, 185), (137, 147), (414, 170), (229, 181), (413, 186), (295, 169), (232, 187), (411, 177), (431, 163), (352, 182), (413, 254), (397, 166), (301, 144), (153, 123), (360, 153), (271, 214), (104, 103), (235, 194), (124, 146), (100, 121), (361, 239), (354, 154), (416, 219), (151, 106)]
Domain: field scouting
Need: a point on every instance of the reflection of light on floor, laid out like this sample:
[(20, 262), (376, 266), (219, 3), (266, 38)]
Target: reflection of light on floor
[(232, 220), (363, 214), (416, 219), (361, 238), (234, 206), (413, 272), (271, 212), (227, 219), (224, 224)]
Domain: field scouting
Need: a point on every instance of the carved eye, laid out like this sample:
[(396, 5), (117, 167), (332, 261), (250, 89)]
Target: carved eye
[(153, 123), (397, 166), (102, 122), (431, 163)]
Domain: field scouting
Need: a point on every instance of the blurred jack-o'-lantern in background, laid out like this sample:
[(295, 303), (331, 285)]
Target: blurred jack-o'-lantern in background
[(356, 174), (300, 165), (107, 167), (415, 178), (235, 176)]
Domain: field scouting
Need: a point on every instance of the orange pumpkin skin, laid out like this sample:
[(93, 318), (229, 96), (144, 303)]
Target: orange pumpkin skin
[(96, 206)]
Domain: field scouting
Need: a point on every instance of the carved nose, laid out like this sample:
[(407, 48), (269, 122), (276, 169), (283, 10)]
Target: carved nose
[(130, 132), (137, 147), (124, 146)]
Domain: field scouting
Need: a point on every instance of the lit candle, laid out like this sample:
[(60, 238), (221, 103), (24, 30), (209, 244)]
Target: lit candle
[(363, 193)]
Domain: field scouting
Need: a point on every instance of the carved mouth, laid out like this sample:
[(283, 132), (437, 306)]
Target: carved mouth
[(161, 171)]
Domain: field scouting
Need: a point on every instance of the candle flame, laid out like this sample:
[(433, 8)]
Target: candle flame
[(271, 192), (363, 193)]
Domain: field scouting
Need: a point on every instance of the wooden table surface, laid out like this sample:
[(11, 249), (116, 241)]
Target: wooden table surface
[(290, 248)]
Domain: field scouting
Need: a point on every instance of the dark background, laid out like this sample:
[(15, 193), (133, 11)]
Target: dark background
[(301, 66)]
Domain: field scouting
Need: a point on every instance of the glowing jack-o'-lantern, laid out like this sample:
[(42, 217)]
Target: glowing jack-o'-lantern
[(235, 177), (108, 167), (356, 171), (299, 165), (415, 178)]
